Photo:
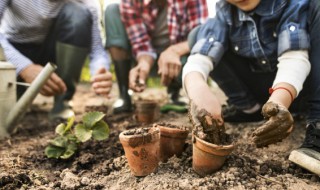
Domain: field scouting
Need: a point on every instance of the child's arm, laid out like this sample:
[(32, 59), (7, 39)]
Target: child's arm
[(201, 95), (293, 69), (194, 77)]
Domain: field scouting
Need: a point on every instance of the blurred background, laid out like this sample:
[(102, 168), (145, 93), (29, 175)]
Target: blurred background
[(153, 81)]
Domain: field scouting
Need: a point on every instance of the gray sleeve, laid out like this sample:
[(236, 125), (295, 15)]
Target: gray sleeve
[(12, 55), (98, 55)]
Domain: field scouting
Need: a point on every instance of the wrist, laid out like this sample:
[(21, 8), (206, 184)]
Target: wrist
[(145, 60), (283, 94), (181, 48)]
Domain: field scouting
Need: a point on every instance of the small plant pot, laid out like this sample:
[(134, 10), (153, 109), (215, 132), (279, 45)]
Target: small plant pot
[(142, 149), (147, 111), (207, 157), (172, 140)]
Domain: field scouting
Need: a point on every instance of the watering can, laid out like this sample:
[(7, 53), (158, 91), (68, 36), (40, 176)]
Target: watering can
[(11, 110)]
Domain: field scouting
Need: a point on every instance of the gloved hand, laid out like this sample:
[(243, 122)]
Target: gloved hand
[(278, 126), (205, 126)]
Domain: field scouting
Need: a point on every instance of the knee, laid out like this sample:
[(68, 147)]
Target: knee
[(77, 15), (112, 11), (192, 36)]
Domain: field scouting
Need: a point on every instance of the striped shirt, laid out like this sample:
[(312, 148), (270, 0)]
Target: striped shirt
[(139, 17), (29, 21)]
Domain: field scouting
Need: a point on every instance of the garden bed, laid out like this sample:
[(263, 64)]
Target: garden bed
[(102, 165)]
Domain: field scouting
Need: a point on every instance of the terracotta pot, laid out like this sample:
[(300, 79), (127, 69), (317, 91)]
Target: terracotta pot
[(147, 111), (207, 157), (172, 141), (142, 151)]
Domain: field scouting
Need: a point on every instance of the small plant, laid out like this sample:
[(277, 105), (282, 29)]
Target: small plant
[(70, 136)]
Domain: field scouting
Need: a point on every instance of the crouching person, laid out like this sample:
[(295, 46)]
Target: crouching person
[(64, 32), (152, 34), (261, 53)]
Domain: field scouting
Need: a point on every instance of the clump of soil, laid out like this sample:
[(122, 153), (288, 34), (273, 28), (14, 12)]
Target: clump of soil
[(208, 128), (138, 82), (139, 131)]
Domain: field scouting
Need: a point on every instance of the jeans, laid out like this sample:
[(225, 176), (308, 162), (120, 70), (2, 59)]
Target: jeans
[(72, 26), (314, 56)]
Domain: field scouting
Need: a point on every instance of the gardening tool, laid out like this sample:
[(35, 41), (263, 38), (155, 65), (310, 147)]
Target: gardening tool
[(12, 111)]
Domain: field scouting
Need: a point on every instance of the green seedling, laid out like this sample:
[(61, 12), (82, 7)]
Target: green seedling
[(70, 136)]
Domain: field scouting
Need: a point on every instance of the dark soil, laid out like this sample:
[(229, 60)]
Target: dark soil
[(138, 131), (207, 128), (102, 165)]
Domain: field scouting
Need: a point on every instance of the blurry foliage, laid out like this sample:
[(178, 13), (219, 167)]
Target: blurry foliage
[(153, 81)]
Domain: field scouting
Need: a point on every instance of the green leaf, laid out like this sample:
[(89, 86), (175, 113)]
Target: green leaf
[(70, 123), (71, 149), (60, 141), (82, 133), (61, 129), (71, 137), (91, 118), (54, 151), (100, 131)]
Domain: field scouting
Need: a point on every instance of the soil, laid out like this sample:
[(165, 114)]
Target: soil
[(208, 128), (138, 131), (102, 165)]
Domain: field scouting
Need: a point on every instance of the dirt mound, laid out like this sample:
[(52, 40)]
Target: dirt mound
[(102, 165)]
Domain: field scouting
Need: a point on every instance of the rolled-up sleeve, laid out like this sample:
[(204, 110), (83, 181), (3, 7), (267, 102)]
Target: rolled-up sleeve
[(212, 39), (293, 33), (137, 31), (98, 55), (12, 55)]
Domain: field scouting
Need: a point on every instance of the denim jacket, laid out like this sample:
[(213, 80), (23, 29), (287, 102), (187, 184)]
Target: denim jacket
[(273, 27)]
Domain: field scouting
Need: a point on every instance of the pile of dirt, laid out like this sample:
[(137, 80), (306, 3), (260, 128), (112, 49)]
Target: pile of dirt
[(102, 165)]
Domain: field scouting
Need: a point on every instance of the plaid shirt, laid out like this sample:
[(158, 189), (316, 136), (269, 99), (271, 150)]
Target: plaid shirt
[(139, 18)]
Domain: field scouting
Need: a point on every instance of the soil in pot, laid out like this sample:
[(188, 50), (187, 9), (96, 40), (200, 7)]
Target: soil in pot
[(211, 145), (142, 149), (172, 140), (147, 111)]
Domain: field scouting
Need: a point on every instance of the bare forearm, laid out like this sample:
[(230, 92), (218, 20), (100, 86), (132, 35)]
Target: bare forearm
[(181, 48), (145, 59), (200, 93), (282, 94)]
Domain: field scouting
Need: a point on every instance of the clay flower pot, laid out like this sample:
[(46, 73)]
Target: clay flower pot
[(207, 157), (146, 111), (142, 149), (172, 140)]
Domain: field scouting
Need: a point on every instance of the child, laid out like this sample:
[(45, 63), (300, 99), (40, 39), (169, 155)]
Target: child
[(261, 52)]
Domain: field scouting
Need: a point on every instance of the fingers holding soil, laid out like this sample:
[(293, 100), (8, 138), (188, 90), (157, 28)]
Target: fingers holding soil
[(265, 142), (206, 127), (270, 109), (279, 131)]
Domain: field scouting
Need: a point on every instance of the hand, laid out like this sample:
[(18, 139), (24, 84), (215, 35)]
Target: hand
[(205, 126), (102, 82), (53, 86), (138, 76), (169, 66), (201, 94), (278, 126)]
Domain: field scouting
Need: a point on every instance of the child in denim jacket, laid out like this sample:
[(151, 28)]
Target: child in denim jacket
[(261, 53)]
